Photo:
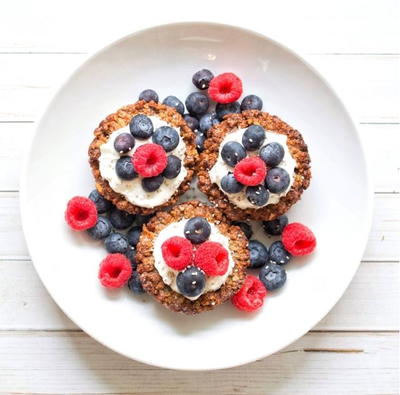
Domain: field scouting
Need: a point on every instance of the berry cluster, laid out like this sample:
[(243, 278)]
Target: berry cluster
[(195, 257), (297, 240)]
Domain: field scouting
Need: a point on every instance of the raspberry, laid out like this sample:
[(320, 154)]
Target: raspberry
[(149, 160), (81, 213), (225, 88), (298, 239), (212, 258), (250, 171), (115, 271), (177, 252), (251, 296)]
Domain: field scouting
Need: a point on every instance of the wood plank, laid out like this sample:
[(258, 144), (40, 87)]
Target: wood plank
[(329, 363), (373, 294), (341, 26), (382, 244), (364, 82), (379, 141)]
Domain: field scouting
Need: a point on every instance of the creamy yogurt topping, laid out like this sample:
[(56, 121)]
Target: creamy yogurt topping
[(132, 189), (169, 275), (220, 168)]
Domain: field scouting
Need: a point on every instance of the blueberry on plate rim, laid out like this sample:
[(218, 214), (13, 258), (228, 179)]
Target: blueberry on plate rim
[(101, 230), (278, 255), (197, 103), (275, 226), (272, 276), (116, 243), (258, 254), (148, 95), (228, 108), (251, 102), (201, 79), (121, 219), (102, 204)]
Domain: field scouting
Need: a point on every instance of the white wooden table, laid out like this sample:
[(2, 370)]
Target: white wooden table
[(356, 45)]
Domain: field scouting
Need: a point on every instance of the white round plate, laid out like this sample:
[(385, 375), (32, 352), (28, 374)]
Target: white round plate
[(337, 206)]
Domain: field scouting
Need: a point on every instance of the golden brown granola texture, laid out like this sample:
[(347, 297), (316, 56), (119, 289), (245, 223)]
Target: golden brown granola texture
[(296, 146), (122, 118), (151, 279)]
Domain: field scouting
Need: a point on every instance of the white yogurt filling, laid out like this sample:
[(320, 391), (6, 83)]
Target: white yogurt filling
[(220, 169), (169, 275), (132, 189)]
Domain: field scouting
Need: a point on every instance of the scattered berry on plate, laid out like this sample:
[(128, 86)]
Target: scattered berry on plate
[(251, 102), (124, 143), (298, 239), (272, 154), (276, 226), (246, 228), (151, 184), (225, 109), (199, 141), (253, 137), (257, 195), (207, 121), (149, 95), (115, 270), (251, 296), (101, 230), (272, 276), (134, 283), (192, 122), (191, 281), (258, 254), (232, 152), (197, 230), (141, 126), (197, 103), (166, 137), (124, 168), (201, 79), (212, 258), (277, 180), (149, 160), (225, 88), (174, 102), (230, 184), (102, 204), (278, 254), (131, 255), (81, 213), (121, 219), (116, 243), (133, 235), (174, 165), (250, 171), (177, 252)]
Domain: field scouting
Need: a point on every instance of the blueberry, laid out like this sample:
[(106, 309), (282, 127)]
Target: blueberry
[(229, 184), (133, 235), (131, 255), (197, 103), (245, 227), (174, 102), (272, 154), (257, 195), (121, 219), (149, 95), (116, 243), (134, 283), (197, 230), (225, 109), (141, 126), (173, 168), (101, 230), (275, 227), (278, 255), (143, 219), (102, 204), (192, 122), (167, 137), (151, 184), (191, 281), (202, 78), (124, 143), (233, 152), (251, 102), (272, 276), (124, 168), (277, 180), (207, 121), (199, 141), (253, 137), (258, 254)]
